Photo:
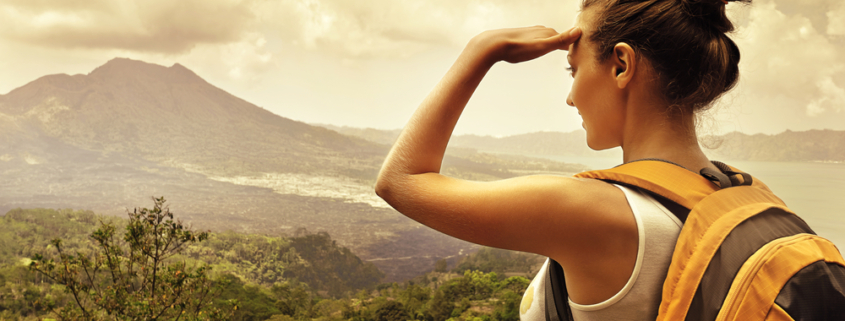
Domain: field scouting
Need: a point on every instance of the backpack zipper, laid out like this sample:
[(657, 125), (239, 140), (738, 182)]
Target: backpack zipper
[(729, 307)]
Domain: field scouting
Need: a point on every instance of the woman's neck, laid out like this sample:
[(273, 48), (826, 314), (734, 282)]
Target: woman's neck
[(657, 137)]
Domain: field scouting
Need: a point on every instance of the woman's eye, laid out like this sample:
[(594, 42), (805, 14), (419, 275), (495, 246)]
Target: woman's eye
[(571, 71)]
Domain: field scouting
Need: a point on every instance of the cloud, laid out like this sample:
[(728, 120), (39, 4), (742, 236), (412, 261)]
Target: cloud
[(836, 20), (786, 55), (374, 28), (162, 26), (390, 28)]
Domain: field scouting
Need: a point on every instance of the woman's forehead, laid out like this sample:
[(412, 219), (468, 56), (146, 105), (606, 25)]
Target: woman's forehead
[(585, 19)]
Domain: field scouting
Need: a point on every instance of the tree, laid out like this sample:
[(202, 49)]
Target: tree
[(440, 307), (391, 311), (134, 277), (440, 265)]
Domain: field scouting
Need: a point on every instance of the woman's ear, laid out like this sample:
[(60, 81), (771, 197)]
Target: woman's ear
[(624, 62)]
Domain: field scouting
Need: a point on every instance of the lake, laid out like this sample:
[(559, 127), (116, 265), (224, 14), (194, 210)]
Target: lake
[(816, 191)]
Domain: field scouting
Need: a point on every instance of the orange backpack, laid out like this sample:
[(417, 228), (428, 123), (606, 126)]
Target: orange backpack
[(741, 254)]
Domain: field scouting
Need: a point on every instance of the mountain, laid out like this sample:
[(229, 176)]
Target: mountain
[(109, 140), (171, 115), (536, 144), (789, 146)]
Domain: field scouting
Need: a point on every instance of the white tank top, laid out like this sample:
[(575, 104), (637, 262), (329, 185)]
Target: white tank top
[(639, 299)]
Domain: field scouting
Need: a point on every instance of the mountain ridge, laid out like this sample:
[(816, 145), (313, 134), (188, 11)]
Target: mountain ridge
[(129, 106), (815, 145)]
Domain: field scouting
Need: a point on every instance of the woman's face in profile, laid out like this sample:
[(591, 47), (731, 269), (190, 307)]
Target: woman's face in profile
[(594, 89)]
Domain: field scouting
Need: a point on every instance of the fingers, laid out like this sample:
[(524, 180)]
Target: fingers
[(566, 38), (523, 44)]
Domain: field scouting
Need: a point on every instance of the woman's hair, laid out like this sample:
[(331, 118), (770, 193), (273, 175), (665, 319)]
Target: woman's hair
[(685, 42)]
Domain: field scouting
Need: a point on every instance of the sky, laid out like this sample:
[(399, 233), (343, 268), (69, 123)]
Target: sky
[(369, 63)]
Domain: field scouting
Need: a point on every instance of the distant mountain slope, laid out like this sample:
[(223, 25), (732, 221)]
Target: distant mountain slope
[(539, 143), (813, 145), (789, 146), (381, 136), (171, 115), (573, 143)]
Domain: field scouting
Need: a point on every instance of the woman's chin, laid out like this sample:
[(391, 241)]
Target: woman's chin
[(598, 146)]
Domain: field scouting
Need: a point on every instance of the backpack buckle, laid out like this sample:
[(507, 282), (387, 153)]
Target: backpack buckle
[(726, 177)]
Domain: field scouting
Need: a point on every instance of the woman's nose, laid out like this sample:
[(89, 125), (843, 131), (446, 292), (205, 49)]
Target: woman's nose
[(569, 100)]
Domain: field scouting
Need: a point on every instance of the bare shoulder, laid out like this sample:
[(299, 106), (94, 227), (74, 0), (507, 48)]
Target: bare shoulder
[(594, 221)]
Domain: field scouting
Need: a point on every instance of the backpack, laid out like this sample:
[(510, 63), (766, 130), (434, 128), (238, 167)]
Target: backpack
[(741, 254)]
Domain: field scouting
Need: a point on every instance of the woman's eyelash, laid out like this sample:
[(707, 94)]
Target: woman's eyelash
[(571, 71)]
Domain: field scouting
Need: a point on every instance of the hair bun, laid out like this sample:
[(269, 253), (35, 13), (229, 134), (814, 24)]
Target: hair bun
[(710, 13)]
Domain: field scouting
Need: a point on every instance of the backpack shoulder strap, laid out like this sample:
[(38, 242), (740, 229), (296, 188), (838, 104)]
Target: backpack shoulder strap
[(675, 183)]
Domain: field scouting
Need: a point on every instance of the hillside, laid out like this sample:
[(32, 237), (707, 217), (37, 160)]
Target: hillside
[(304, 277), (313, 259), (170, 115)]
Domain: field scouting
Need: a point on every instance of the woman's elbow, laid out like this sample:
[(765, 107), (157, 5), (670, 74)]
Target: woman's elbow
[(392, 187), (383, 186)]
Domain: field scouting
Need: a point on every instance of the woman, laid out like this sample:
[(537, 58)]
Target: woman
[(641, 70)]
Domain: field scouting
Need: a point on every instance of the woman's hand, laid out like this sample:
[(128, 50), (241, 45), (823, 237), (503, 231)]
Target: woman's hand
[(521, 44)]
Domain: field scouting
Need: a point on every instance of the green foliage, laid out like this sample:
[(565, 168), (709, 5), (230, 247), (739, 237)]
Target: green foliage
[(133, 277), (391, 311), (254, 302), (313, 259), (489, 259), (332, 268), (414, 298), (441, 265), (307, 277), (294, 299), (440, 307), (26, 232), (508, 307)]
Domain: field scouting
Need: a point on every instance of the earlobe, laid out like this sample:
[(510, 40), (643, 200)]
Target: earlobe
[(625, 63)]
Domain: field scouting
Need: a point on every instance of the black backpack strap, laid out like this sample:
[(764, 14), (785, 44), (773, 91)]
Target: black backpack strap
[(557, 298)]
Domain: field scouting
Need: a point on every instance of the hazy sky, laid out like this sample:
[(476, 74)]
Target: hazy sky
[(368, 63)]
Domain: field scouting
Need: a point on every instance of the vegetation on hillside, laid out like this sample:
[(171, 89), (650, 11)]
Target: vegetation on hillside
[(310, 263), (133, 275), (500, 261), (303, 277)]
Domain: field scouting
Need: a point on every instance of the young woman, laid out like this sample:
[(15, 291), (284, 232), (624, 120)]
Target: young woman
[(641, 70)]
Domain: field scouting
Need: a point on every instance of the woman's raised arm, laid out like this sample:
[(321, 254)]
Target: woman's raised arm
[(421, 145), (523, 213)]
